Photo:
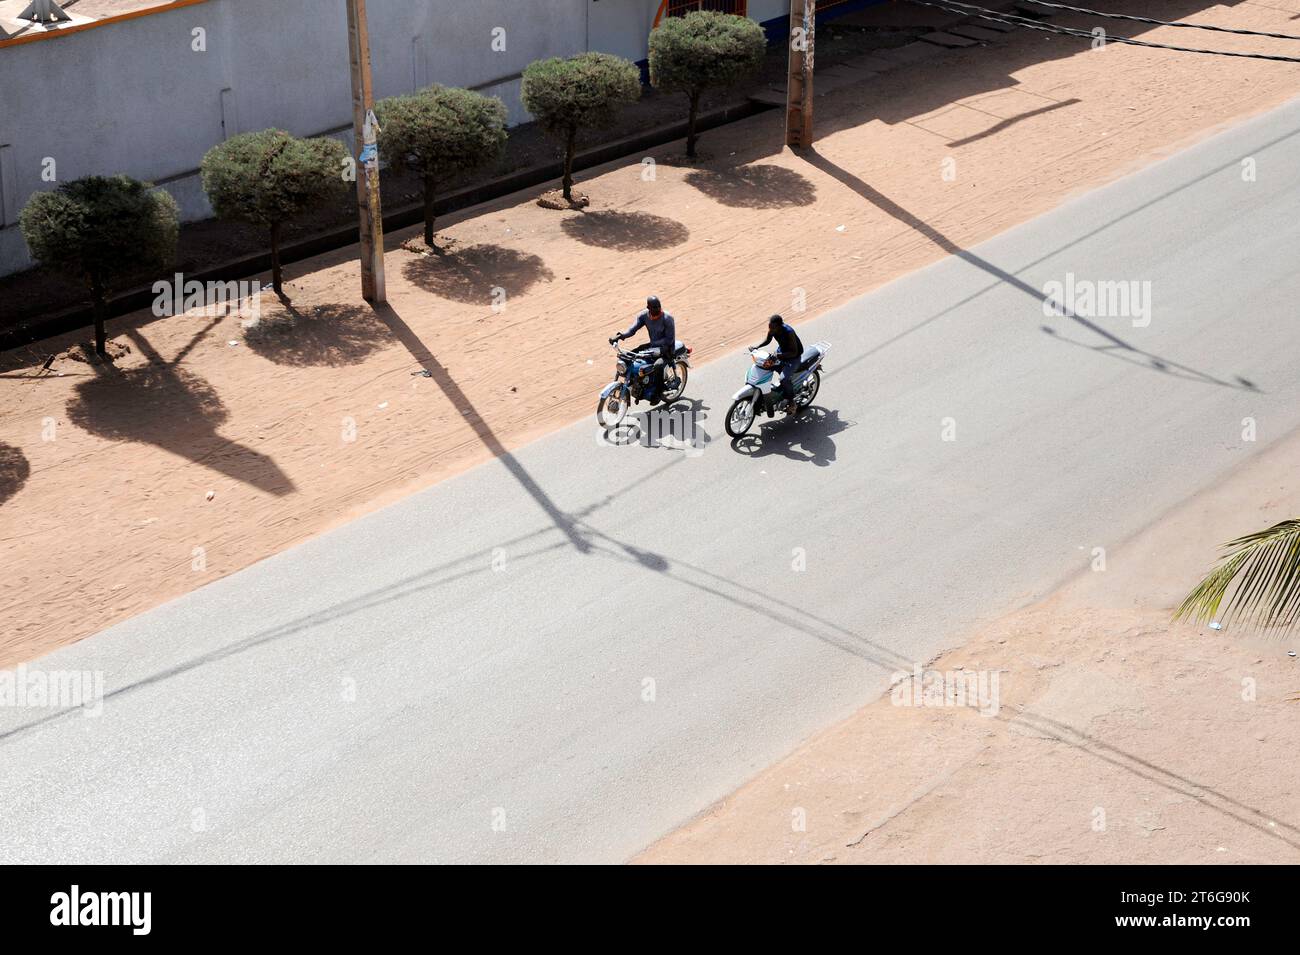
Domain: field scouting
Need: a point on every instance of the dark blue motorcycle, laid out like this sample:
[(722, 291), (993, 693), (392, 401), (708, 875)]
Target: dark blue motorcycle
[(634, 382)]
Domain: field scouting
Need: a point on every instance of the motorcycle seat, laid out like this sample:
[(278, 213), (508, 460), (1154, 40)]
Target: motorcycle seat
[(810, 355)]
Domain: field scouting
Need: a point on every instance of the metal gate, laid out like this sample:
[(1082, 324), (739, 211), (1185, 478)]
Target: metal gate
[(679, 8)]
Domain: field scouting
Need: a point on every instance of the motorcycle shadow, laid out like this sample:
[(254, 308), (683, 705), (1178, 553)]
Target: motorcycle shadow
[(675, 427), (805, 437)]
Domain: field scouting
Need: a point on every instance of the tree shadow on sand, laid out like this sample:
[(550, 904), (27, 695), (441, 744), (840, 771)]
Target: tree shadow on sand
[(327, 335), (754, 186), (625, 231), (469, 275), (14, 471), (163, 404)]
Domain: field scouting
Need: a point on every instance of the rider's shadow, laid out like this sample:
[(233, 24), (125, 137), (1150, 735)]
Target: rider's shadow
[(676, 427), (807, 437)]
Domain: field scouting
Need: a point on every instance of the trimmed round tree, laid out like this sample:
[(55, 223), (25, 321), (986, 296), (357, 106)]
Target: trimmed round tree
[(440, 133), (700, 50), (270, 177), (101, 229), (580, 92)]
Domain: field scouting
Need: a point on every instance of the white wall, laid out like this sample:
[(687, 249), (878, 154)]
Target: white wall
[(621, 27), (137, 97)]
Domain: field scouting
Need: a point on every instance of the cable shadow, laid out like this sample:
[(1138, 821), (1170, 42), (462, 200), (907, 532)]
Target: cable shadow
[(584, 538), (193, 343), (782, 613), (790, 616), (744, 598), (459, 400), (1114, 346), (1012, 120), (404, 588), (416, 583), (1144, 769), (625, 231), (935, 84)]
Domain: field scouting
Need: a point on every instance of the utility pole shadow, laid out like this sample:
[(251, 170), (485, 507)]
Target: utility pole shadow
[(460, 401)]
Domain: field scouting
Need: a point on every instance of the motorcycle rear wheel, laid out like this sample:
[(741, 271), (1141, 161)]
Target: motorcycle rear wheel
[(612, 409), (807, 394), (741, 417), (672, 394)]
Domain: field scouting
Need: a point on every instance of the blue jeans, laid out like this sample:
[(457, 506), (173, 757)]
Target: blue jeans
[(789, 369)]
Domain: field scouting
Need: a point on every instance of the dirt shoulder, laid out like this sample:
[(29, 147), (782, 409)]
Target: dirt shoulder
[(1116, 736), (105, 473)]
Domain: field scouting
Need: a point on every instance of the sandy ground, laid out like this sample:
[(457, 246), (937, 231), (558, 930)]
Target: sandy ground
[(1116, 736), (205, 450)]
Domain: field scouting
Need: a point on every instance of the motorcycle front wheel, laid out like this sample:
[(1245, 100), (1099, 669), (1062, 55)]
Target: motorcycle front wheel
[(612, 409), (740, 417)]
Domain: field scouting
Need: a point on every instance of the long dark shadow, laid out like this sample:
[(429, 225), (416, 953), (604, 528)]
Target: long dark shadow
[(403, 333), (1129, 352), (163, 404), (1012, 120)]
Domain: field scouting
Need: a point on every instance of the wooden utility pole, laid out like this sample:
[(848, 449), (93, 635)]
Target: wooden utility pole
[(799, 81), (370, 213)]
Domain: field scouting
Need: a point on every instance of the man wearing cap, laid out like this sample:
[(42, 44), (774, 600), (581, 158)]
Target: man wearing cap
[(663, 336)]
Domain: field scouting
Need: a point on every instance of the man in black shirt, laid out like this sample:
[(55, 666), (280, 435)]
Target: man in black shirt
[(789, 354)]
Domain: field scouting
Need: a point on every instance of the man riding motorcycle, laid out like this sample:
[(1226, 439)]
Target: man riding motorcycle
[(663, 337), (789, 354)]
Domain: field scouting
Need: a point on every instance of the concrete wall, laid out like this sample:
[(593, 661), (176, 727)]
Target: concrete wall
[(138, 97), (149, 96), (621, 27)]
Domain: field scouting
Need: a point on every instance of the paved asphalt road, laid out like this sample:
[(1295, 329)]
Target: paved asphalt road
[(498, 631)]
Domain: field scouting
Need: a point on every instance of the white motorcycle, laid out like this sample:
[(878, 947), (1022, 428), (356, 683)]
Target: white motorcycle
[(760, 394)]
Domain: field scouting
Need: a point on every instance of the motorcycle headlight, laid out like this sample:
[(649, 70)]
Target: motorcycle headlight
[(622, 368)]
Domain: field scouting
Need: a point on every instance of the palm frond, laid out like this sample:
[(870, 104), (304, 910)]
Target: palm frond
[(1262, 570)]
